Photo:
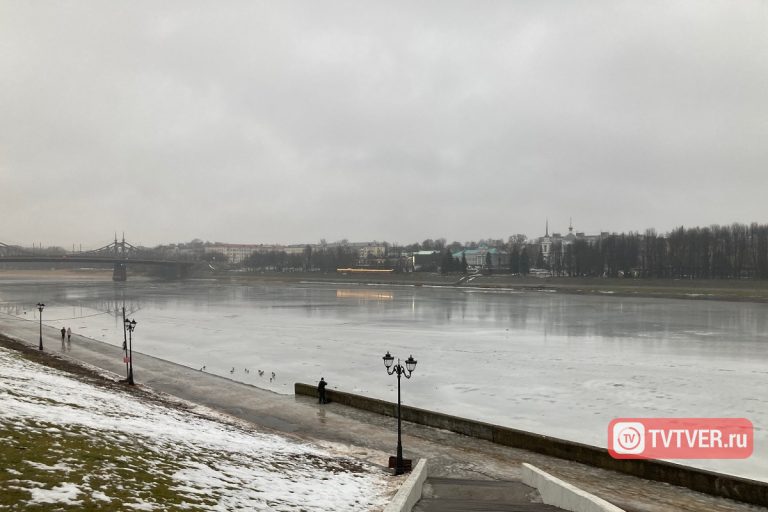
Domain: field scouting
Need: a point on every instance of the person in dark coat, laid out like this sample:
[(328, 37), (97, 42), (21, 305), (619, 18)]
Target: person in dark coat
[(63, 333), (321, 391)]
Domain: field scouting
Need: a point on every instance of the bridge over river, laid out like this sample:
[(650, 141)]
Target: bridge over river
[(118, 253)]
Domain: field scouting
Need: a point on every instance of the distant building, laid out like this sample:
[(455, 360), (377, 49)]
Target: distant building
[(238, 253), (234, 253), (548, 244), (479, 257), (367, 250), (426, 261), (545, 244), (293, 249)]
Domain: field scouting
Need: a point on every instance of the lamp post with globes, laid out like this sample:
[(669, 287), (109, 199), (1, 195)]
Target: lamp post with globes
[(130, 325), (40, 307), (410, 366), (125, 345)]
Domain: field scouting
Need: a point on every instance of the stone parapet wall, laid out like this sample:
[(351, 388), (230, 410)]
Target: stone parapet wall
[(708, 482)]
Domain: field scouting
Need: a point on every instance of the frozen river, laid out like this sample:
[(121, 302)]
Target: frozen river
[(563, 365)]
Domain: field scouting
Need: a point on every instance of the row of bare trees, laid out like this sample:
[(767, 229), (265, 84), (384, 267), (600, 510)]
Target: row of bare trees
[(324, 259), (721, 252)]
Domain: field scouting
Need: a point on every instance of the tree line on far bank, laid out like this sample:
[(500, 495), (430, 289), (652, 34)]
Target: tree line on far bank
[(719, 252), (714, 252), (327, 260)]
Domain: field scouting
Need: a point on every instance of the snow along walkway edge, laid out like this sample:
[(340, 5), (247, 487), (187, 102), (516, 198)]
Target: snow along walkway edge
[(410, 492), (562, 494)]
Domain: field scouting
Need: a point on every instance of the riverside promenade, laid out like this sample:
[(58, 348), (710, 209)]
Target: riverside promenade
[(365, 435)]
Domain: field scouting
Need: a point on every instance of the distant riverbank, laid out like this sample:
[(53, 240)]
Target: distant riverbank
[(698, 289), (60, 274), (743, 290)]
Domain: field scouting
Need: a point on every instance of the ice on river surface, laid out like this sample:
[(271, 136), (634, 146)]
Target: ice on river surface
[(563, 365)]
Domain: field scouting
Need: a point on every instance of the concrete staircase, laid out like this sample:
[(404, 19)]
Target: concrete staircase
[(456, 495)]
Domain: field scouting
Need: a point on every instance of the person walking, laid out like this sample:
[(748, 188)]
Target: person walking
[(69, 334), (63, 333), (321, 391)]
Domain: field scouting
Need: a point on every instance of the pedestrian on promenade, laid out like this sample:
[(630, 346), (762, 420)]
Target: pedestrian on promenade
[(63, 333), (321, 391), (69, 334)]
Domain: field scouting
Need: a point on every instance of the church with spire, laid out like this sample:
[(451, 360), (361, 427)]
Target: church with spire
[(548, 244), (545, 243)]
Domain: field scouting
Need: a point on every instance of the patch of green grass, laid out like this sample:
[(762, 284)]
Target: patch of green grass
[(125, 471), (123, 468)]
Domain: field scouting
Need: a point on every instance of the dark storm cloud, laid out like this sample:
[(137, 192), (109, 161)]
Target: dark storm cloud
[(295, 121)]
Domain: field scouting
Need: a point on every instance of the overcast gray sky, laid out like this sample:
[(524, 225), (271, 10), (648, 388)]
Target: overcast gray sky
[(286, 122)]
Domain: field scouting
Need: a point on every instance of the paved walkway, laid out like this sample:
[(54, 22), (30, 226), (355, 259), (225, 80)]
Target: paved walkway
[(370, 436), (461, 495)]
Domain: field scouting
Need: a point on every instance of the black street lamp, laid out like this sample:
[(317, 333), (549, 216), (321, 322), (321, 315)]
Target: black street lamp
[(125, 346), (40, 307), (410, 365), (130, 325)]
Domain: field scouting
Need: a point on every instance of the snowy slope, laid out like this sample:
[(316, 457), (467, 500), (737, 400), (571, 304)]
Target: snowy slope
[(151, 456)]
